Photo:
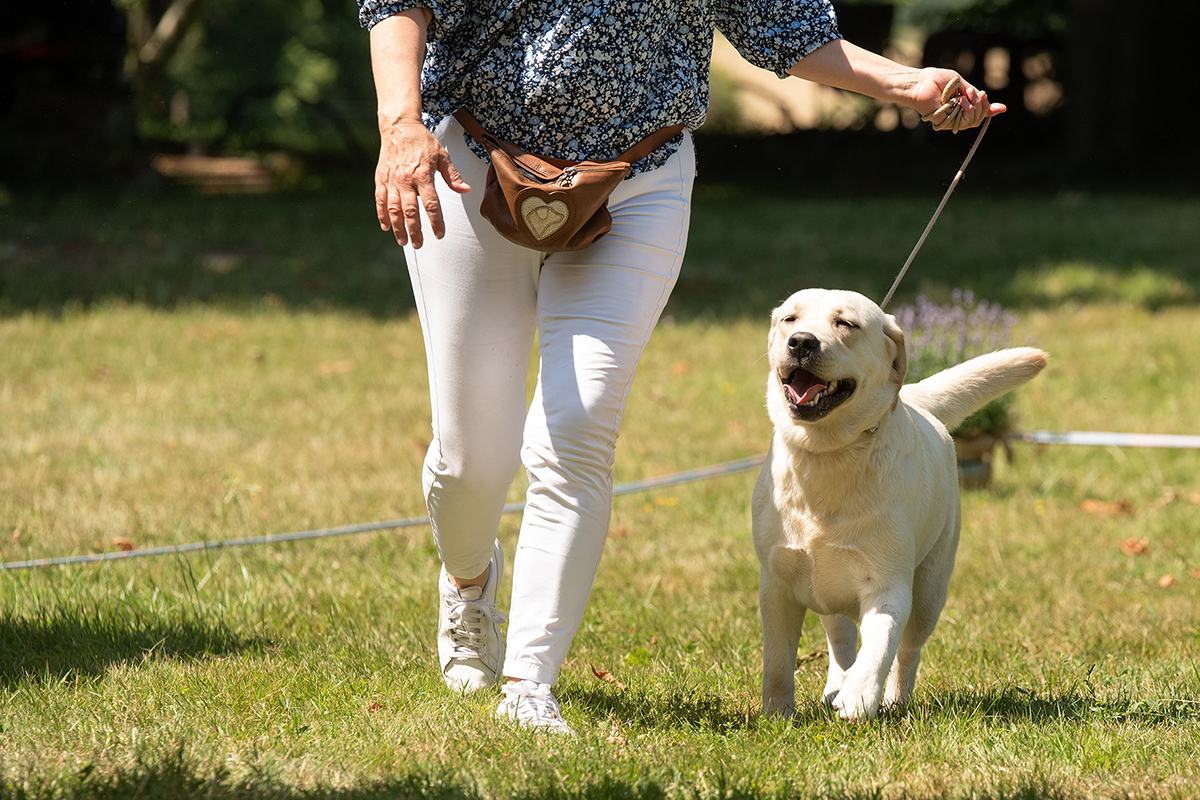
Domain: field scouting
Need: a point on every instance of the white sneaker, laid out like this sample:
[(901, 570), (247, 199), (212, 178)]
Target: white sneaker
[(532, 705), (470, 647)]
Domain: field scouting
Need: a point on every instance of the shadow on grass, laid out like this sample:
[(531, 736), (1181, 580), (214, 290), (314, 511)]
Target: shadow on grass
[(86, 641), (177, 778), (693, 710), (747, 251), (689, 709), (1018, 704)]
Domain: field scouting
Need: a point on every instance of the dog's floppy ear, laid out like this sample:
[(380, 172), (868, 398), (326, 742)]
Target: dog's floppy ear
[(775, 316), (900, 357)]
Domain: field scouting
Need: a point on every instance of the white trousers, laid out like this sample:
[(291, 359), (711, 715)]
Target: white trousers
[(481, 300)]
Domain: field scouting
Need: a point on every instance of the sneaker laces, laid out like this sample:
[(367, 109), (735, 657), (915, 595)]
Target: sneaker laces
[(470, 624)]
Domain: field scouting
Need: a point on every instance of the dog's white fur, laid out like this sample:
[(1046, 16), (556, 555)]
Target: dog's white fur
[(856, 510)]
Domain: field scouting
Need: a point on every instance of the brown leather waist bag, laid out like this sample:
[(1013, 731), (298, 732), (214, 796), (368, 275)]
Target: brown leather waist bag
[(550, 204)]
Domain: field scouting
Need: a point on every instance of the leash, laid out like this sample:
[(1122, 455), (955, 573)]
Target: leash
[(938, 212)]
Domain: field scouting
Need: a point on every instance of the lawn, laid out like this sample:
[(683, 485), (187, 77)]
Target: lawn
[(177, 368)]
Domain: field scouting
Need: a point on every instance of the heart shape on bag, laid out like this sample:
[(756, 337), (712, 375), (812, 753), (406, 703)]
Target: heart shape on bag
[(544, 218)]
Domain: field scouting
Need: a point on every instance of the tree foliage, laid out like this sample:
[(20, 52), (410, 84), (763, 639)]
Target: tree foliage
[(246, 76)]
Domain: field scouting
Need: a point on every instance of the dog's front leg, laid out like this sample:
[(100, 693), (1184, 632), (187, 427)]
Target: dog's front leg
[(782, 621), (842, 636), (882, 625)]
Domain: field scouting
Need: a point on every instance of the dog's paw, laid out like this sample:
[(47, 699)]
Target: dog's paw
[(837, 678), (778, 707), (894, 698), (855, 706)]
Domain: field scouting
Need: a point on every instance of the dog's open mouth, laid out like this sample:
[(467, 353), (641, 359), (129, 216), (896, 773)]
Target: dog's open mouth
[(811, 398)]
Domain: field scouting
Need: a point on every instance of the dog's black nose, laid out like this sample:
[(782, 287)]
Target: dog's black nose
[(802, 342)]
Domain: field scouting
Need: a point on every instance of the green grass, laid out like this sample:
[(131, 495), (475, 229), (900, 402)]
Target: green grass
[(179, 368)]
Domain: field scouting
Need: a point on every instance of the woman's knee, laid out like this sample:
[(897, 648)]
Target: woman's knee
[(472, 475)]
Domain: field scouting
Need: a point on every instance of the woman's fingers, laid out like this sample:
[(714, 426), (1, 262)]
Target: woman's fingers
[(409, 160), (963, 107)]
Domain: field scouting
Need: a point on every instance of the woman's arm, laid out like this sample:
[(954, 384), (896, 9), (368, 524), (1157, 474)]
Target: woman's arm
[(843, 65), (409, 155)]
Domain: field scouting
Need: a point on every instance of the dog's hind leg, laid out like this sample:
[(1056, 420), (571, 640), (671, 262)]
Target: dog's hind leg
[(842, 636), (903, 676), (782, 621), (930, 586)]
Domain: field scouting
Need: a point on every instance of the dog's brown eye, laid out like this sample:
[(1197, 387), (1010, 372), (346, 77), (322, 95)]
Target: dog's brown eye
[(845, 323), (790, 318)]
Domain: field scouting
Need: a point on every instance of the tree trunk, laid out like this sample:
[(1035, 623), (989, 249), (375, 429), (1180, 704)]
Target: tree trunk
[(151, 46)]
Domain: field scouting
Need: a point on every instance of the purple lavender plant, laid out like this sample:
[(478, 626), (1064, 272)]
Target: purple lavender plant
[(940, 336)]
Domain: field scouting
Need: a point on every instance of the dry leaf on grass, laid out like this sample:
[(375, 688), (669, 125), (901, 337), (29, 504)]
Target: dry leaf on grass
[(813, 656), (1167, 581), (681, 368), (1135, 547), (621, 532), (616, 737), (1167, 498), (1194, 572), (374, 707), (1100, 508), (607, 677), (122, 544), (208, 333), (335, 367), (16, 534)]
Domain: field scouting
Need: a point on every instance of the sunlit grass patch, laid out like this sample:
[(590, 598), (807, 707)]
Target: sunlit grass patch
[(1084, 282), (246, 404)]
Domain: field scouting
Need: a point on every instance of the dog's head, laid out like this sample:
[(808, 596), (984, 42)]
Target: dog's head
[(837, 365)]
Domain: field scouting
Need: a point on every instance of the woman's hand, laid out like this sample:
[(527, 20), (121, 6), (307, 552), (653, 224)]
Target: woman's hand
[(409, 159), (935, 95)]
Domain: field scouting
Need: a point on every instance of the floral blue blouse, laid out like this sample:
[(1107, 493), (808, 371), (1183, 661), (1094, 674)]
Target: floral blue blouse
[(588, 79)]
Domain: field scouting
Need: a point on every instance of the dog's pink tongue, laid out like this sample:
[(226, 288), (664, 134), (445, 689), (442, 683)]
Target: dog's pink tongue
[(809, 393)]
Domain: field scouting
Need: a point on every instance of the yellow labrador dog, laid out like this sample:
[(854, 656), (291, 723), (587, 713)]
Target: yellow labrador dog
[(856, 511)]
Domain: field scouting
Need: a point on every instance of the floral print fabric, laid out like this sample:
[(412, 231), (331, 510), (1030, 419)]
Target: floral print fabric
[(588, 79)]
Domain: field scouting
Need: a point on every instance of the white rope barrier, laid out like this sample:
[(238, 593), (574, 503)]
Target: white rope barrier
[(703, 473), (1094, 439), (1104, 439)]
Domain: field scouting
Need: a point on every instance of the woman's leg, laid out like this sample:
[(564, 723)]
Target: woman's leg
[(596, 310), (476, 296)]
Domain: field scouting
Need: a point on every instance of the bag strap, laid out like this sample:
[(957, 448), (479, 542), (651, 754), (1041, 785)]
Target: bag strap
[(636, 153), (651, 143), (470, 124)]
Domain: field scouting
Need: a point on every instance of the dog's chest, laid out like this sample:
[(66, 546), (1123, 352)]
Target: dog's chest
[(826, 578)]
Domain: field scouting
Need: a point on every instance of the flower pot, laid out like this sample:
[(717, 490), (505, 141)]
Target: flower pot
[(974, 455)]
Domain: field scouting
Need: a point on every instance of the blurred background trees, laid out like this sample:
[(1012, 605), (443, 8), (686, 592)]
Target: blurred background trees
[(96, 87)]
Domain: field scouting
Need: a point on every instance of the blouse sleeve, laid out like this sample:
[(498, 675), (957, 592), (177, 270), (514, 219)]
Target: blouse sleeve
[(775, 34), (445, 13)]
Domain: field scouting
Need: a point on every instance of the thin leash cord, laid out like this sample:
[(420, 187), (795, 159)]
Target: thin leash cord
[(937, 213)]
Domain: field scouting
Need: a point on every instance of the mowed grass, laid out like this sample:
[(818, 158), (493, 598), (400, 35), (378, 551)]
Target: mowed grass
[(178, 368)]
